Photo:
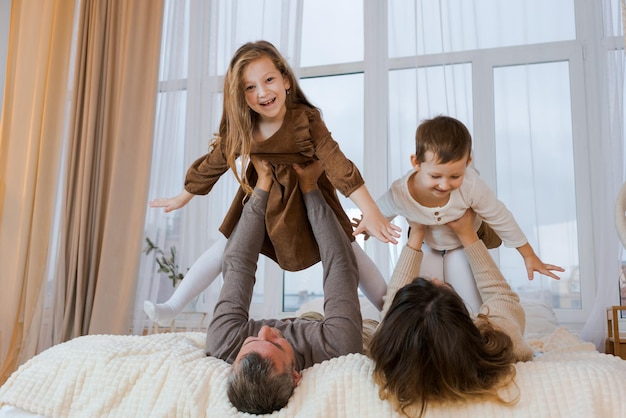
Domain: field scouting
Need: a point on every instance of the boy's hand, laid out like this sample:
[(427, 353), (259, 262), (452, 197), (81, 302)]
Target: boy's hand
[(308, 175), (534, 264), (172, 203), (264, 172)]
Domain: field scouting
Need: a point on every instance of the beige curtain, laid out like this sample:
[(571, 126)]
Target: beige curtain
[(30, 142), (92, 110)]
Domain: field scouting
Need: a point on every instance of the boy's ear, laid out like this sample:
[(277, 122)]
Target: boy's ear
[(415, 162), (469, 160)]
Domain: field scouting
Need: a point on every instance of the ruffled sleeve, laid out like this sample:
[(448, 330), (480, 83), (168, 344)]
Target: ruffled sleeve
[(304, 141), (206, 170), (341, 172)]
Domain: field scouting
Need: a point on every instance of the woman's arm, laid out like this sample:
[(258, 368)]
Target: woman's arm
[(408, 265), (500, 302)]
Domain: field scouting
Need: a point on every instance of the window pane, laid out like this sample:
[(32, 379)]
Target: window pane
[(535, 175), (174, 44), (167, 175), (613, 24), (332, 32), (341, 100), (427, 27), (244, 21)]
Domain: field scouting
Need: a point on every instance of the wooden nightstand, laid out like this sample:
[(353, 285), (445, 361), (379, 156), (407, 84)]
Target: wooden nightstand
[(615, 343)]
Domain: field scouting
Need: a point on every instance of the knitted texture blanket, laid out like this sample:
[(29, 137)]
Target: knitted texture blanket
[(169, 375)]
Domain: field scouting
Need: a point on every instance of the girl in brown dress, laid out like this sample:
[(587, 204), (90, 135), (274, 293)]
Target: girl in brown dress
[(266, 114)]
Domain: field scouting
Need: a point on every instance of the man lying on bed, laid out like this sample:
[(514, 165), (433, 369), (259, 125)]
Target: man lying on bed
[(268, 355)]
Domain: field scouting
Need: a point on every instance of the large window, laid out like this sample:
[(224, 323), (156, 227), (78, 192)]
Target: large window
[(518, 87), (522, 84)]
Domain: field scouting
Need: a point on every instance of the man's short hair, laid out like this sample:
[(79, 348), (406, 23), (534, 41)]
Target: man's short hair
[(255, 387)]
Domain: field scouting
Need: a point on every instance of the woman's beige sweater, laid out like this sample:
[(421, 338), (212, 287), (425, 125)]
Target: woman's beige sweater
[(500, 303)]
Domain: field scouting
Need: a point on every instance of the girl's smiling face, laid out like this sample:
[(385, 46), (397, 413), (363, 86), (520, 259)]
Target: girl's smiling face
[(265, 89)]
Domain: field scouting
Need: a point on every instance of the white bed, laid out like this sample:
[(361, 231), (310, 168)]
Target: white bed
[(168, 375)]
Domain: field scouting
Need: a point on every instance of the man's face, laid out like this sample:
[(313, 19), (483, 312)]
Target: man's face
[(269, 344)]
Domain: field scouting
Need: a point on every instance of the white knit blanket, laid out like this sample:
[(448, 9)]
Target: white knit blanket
[(168, 375)]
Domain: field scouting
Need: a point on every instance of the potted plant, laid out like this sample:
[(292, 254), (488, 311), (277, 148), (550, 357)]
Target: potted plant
[(167, 263)]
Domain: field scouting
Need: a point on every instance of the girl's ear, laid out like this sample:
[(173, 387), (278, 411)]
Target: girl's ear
[(415, 162), (286, 82)]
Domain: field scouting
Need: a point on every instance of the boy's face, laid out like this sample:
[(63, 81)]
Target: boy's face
[(436, 179)]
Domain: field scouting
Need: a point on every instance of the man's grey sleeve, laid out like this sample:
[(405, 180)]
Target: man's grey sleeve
[(342, 325), (238, 269)]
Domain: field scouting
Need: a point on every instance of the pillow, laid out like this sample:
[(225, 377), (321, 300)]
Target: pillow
[(540, 318), (368, 311)]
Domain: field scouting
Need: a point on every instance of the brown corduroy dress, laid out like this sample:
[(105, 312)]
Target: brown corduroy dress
[(302, 138)]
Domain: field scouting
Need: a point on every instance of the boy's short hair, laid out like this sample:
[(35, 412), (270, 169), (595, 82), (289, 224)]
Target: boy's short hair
[(447, 138)]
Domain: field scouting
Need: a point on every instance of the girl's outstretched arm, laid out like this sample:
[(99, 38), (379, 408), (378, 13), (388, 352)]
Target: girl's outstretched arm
[(373, 222), (172, 203)]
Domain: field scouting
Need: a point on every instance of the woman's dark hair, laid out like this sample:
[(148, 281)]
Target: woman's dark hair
[(428, 349)]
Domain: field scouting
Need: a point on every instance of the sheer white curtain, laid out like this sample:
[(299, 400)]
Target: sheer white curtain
[(513, 87), (609, 146), (199, 39), (458, 57)]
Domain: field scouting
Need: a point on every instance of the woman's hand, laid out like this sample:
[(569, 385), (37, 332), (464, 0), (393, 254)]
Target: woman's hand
[(416, 235), (172, 203), (464, 228)]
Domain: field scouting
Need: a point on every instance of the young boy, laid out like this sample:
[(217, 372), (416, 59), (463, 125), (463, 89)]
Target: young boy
[(439, 189)]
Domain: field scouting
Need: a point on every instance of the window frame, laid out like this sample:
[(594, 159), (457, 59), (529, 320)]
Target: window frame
[(582, 54)]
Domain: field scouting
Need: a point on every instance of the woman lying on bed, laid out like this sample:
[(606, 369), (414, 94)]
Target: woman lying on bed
[(429, 349)]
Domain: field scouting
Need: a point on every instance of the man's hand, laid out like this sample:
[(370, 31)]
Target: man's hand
[(308, 175), (264, 171), (464, 228), (172, 203)]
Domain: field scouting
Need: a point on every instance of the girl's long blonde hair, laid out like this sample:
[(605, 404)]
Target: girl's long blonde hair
[(238, 119)]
